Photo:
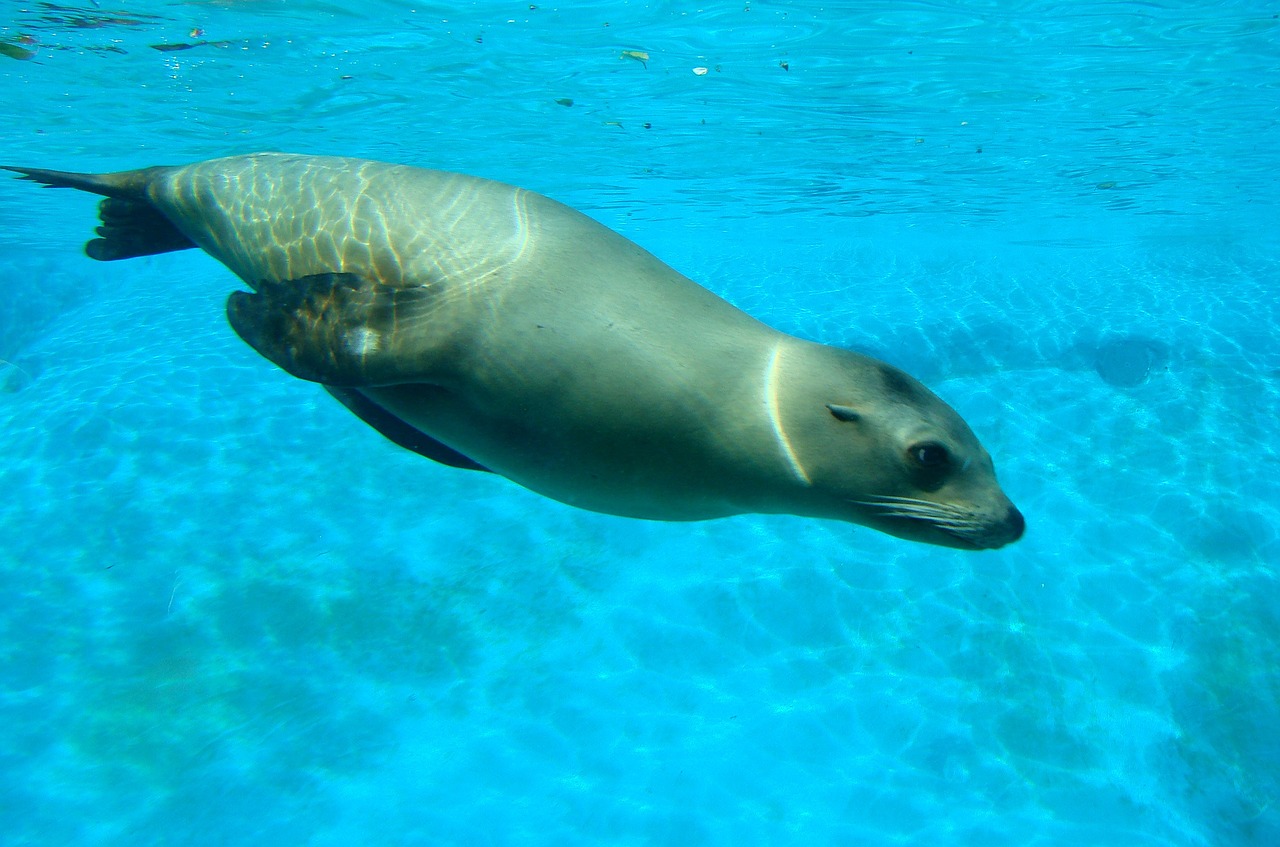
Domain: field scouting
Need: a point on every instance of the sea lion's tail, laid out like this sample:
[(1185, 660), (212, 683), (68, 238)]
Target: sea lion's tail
[(125, 185), (131, 224)]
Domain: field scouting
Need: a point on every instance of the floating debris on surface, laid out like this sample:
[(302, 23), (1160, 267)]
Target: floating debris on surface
[(13, 51), (700, 71), (639, 55), (169, 48), (65, 28), (65, 17)]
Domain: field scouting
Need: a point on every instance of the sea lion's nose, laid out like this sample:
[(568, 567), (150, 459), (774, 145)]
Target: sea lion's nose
[(1016, 523)]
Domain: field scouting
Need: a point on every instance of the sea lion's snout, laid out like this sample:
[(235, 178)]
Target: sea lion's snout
[(946, 524), (1000, 533), (1017, 524)]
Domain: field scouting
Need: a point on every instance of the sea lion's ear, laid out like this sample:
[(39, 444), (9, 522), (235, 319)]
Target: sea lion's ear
[(844, 413)]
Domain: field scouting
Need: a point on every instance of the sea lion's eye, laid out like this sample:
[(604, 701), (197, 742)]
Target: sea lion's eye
[(930, 454)]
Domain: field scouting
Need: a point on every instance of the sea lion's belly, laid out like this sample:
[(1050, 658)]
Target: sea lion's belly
[(661, 469)]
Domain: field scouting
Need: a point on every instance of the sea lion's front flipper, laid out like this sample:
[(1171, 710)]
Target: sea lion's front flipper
[(400, 432), (336, 329)]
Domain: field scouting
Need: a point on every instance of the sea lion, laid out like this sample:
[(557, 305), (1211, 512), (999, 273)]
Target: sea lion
[(491, 328)]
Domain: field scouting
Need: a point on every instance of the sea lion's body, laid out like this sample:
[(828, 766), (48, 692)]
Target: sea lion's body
[(521, 337)]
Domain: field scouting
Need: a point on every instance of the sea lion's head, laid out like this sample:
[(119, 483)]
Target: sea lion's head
[(895, 457)]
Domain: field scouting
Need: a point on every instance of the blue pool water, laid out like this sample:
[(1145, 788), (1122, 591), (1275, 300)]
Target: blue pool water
[(230, 613)]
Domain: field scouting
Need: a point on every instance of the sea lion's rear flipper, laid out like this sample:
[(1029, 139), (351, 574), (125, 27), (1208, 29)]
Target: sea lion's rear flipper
[(131, 226), (336, 329), (399, 432)]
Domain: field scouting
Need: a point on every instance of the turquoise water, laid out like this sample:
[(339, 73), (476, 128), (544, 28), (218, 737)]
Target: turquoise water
[(232, 614)]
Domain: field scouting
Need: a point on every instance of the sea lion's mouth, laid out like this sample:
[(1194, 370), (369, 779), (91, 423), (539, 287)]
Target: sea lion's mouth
[(960, 527)]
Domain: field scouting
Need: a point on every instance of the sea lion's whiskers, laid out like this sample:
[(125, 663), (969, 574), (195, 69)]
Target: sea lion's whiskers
[(945, 516), (907, 507)]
